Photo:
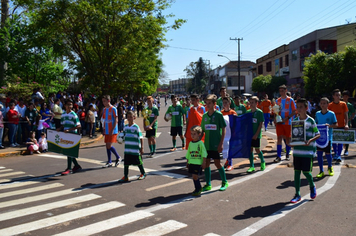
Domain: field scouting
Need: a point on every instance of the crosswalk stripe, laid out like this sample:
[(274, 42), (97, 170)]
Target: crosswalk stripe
[(12, 173), (37, 198), (21, 184), (6, 170), (39, 224), (2, 181), (46, 207), (2, 167), (107, 224), (167, 185), (211, 234), (30, 190), (81, 158), (159, 229)]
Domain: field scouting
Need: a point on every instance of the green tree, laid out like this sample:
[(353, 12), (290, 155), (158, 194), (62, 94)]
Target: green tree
[(273, 86), (199, 72), (261, 83), (3, 19)]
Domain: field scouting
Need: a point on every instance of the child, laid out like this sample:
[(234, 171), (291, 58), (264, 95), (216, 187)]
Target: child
[(91, 120), (43, 143), (32, 144), (159, 105), (81, 115), (213, 124), (69, 124), (40, 126), (303, 155), (328, 118), (196, 156), (257, 122), (153, 114), (133, 147)]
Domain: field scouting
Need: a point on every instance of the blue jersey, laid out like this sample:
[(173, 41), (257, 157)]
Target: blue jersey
[(327, 118), (110, 116)]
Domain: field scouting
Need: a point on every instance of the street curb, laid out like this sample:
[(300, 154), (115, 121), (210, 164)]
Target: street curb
[(23, 152)]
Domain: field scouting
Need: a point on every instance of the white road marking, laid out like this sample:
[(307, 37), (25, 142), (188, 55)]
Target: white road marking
[(271, 133), (30, 190), (39, 224), (167, 185), (5, 170), (2, 167), (211, 234), (12, 173), (20, 184), (289, 208), (107, 224), (159, 229), (46, 207), (2, 181)]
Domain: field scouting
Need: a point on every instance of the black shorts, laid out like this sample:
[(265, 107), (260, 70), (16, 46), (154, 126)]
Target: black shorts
[(151, 133), (214, 155), (303, 163), (256, 143), (177, 130), (326, 149), (132, 160), (195, 169)]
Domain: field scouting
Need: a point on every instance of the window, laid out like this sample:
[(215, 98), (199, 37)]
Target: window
[(233, 81), (269, 66), (260, 69), (287, 60), (294, 55), (281, 62)]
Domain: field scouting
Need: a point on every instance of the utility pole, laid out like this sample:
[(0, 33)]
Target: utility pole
[(238, 63)]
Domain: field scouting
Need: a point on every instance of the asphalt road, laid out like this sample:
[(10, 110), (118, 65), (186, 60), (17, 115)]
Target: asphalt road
[(36, 200)]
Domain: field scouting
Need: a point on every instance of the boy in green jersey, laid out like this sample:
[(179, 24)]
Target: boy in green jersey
[(239, 108), (214, 126), (176, 113), (151, 130), (224, 94), (257, 121), (196, 156), (303, 154)]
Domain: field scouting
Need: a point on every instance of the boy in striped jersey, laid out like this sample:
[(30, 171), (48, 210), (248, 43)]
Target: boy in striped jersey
[(303, 155), (133, 147), (69, 124)]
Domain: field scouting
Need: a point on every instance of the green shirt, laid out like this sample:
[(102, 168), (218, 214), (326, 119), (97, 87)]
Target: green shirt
[(186, 109), (152, 113), (220, 103), (240, 109), (70, 120), (351, 111), (196, 152), (177, 113), (133, 138), (257, 118), (311, 131), (212, 126)]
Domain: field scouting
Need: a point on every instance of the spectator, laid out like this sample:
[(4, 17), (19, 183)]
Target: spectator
[(21, 108), (57, 110), (13, 117), (1, 127)]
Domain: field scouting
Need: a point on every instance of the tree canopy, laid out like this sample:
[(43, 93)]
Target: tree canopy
[(198, 73), (267, 84)]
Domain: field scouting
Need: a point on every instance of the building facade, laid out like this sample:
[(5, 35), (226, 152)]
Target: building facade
[(178, 86), (275, 63)]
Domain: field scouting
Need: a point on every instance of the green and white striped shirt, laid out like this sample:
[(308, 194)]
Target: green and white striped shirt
[(70, 120), (311, 132), (133, 138)]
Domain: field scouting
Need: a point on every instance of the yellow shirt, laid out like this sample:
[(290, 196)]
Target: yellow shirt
[(57, 109)]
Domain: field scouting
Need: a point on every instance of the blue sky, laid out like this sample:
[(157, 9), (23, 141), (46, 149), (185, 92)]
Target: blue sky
[(263, 25)]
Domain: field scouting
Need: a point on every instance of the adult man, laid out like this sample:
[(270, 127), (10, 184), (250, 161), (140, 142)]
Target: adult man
[(57, 110), (266, 109), (21, 108), (283, 129), (30, 116), (351, 115), (219, 102)]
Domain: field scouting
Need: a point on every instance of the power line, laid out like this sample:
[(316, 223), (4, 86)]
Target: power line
[(200, 50)]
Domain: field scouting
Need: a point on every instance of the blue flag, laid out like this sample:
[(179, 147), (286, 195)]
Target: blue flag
[(241, 135)]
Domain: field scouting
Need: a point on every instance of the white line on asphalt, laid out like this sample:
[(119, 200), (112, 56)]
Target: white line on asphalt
[(6, 170), (3, 181), (46, 207), (20, 184), (271, 133), (159, 229), (2, 167), (289, 208), (167, 185), (211, 234), (30, 190), (12, 173), (39, 224)]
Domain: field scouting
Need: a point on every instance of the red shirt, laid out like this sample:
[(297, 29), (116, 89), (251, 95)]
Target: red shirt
[(10, 115)]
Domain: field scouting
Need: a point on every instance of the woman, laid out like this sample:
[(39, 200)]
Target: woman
[(46, 113), (13, 117)]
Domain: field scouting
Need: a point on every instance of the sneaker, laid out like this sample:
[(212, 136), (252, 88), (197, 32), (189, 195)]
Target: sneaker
[(13, 145), (224, 186), (334, 157), (229, 168), (278, 159), (76, 168), (320, 175), (38, 152), (338, 160), (226, 164), (263, 166), (173, 149), (346, 153), (313, 192), (183, 148), (251, 169), (296, 199), (142, 176), (2, 147), (331, 171), (206, 188), (117, 162), (124, 179), (17, 145), (66, 172), (149, 155), (197, 193), (287, 158), (107, 165)]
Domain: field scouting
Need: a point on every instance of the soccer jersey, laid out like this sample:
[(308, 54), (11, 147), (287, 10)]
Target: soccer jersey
[(287, 107), (152, 112), (311, 131), (133, 138), (109, 116), (196, 152), (351, 111), (177, 113), (186, 109), (200, 109), (257, 118), (229, 112), (327, 118), (339, 109), (70, 120), (265, 106), (219, 102), (212, 126), (240, 109)]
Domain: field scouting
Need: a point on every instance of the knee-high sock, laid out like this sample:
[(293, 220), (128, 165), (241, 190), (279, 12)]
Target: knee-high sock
[(222, 174), (174, 143), (126, 171), (287, 150), (320, 160), (69, 163), (335, 148), (346, 147), (142, 170), (207, 174), (153, 148), (339, 149), (113, 150), (329, 159), (74, 160), (279, 150), (197, 185), (297, 181), (183, 143), (108, 152), (309, 177), (251, 160), (260, 155)]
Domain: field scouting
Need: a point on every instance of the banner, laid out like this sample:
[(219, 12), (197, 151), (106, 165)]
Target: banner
[(298, 132), (323, 141), (241, 135), (343, 136), (63, 143), (194, 119)]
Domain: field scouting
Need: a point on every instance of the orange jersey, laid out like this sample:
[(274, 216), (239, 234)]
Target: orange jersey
[(265, 106), (339, 109), (230, 112)]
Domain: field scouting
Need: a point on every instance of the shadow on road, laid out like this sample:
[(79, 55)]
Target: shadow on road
[(261, 211), (162, 200)]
